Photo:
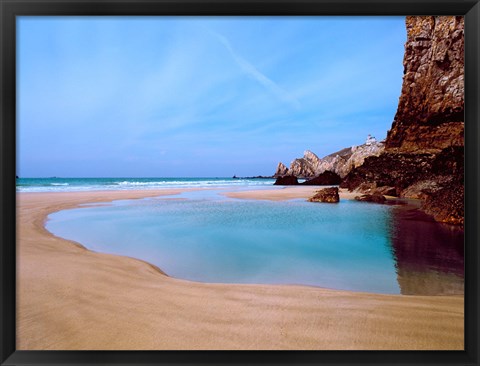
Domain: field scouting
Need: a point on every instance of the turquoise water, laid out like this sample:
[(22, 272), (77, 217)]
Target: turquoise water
[(89, 184), (203, 236)]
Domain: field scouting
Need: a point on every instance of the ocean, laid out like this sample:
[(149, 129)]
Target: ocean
[(55, 184), (205, 236)]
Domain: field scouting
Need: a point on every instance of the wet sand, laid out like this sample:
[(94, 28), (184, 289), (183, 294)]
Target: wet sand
[(70, 298), (287, 193)]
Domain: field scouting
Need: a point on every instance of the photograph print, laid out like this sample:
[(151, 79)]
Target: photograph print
[(240, 183)]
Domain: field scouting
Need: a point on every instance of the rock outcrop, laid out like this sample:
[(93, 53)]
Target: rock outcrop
[(324, 179), (430, 111), (423, 156), (340, 162), (305, 167), (385, 191), (359, 154), (281, 170), (446, 204), (287, 180), (327, 195), (392, 170), (375, 198)]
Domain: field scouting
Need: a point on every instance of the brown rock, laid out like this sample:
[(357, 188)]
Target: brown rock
[(302, 167), (424, 155), (389, 169), (328, 195), (375, 198), (430, 111), (281, 170), (446, 205), (288, 180), (324, 179), (385, 191)]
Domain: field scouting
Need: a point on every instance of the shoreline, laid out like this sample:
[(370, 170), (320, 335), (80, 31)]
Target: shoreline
[(288, 193), (82, 299)]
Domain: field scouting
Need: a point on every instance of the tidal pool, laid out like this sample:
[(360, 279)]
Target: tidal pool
[(203, 236)]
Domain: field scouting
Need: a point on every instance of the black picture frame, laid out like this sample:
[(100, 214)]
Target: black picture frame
[(10, 9)]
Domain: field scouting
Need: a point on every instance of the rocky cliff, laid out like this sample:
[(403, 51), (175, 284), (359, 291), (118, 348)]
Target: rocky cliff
[(340, 162), (423, 156), (430, 111)]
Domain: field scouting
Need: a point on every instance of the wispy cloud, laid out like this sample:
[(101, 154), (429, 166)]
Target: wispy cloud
[(252, 71)]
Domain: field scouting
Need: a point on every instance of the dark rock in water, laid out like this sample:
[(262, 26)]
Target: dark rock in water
[(328, 195), (288, 180), (257, 177), (324, 179), (254, 177), (376, 198), (420, 176), (446, 205)]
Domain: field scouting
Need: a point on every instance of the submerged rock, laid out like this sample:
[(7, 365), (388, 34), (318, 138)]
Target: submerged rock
[(328, 195), (288, 180)]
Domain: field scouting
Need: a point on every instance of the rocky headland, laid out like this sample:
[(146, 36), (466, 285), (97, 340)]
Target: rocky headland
[(423, 154), (424, 149), (340, 162)]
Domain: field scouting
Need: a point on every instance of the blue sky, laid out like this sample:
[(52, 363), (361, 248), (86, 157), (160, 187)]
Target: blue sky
[(199, 96)]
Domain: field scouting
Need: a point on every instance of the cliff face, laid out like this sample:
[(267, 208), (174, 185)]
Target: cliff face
[(424, 154), (430, 111)]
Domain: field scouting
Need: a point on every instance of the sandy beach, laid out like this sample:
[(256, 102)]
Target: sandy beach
[(70, 298), (286, 193)]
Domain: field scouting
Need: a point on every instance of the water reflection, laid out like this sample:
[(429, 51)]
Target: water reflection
[(429, 256)]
